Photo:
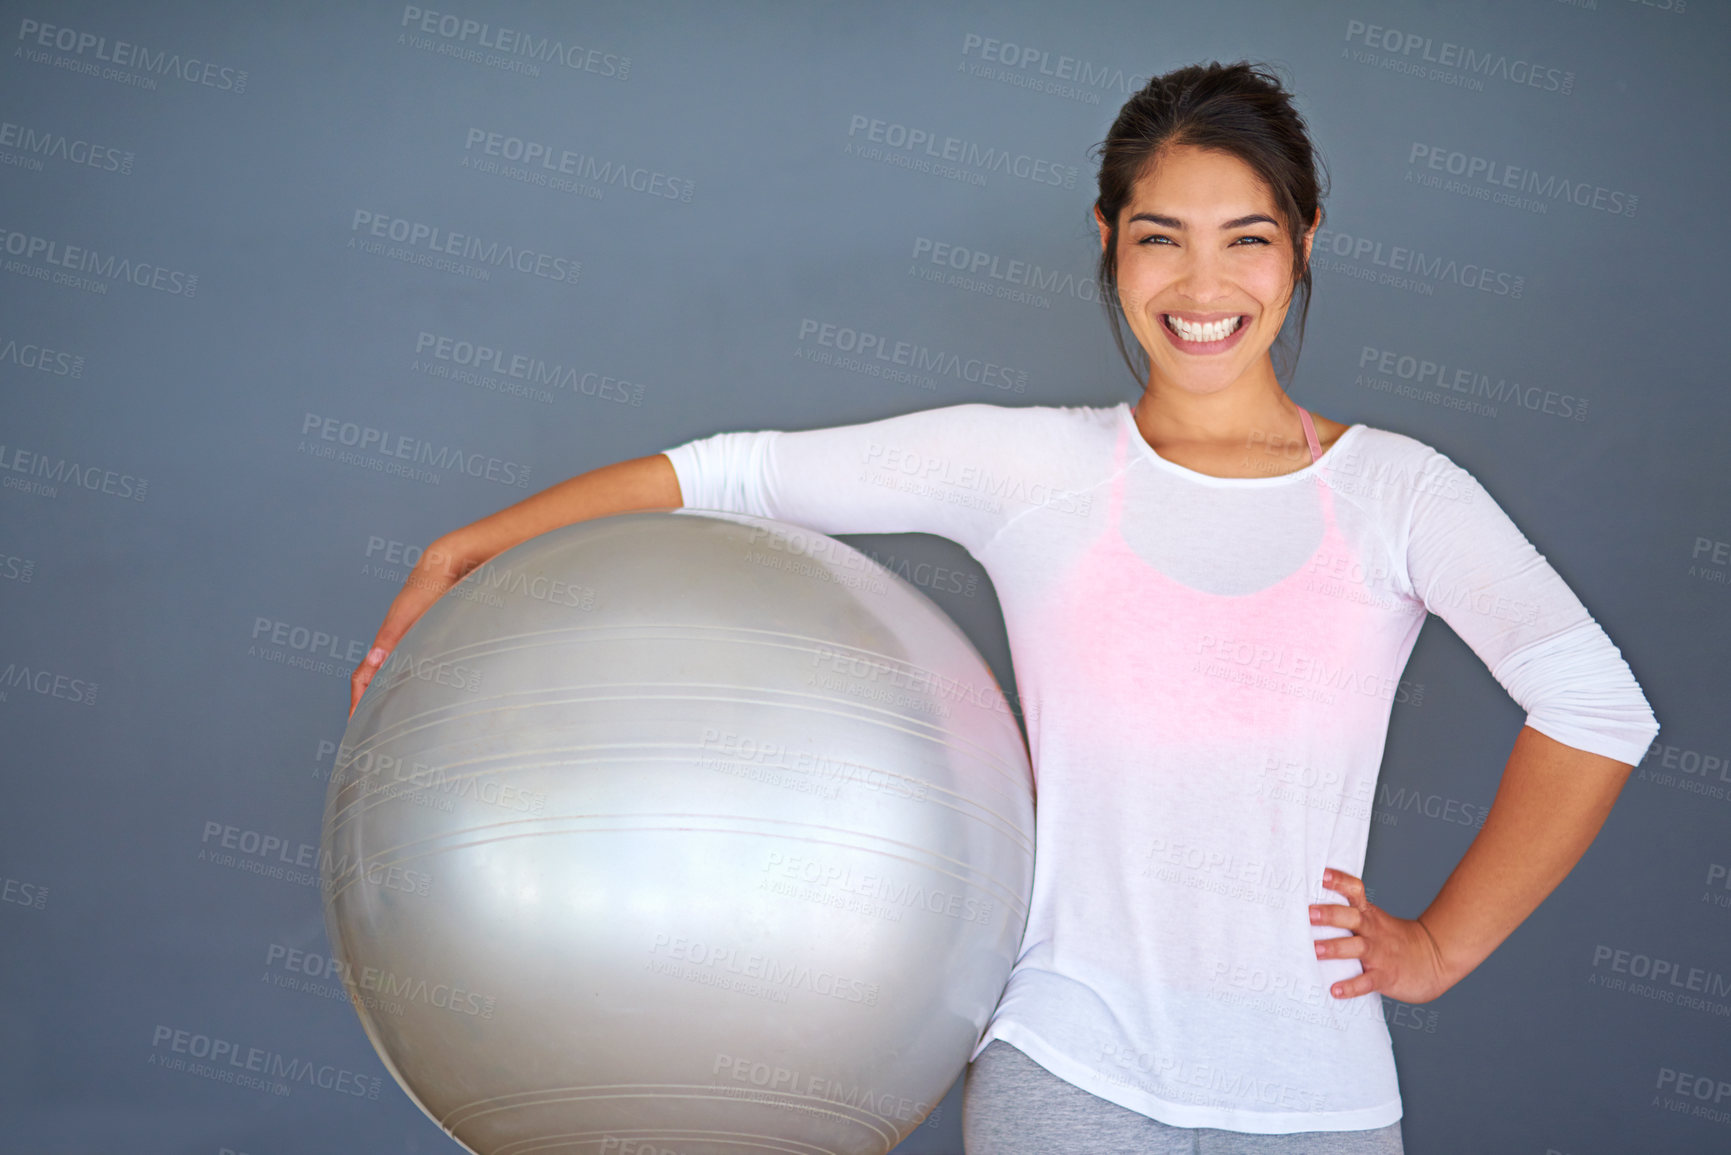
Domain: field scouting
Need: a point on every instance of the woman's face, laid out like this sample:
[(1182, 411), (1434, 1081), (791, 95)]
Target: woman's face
[(1204, 269)]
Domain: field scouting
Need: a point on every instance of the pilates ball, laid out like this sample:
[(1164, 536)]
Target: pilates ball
[(679, 831)]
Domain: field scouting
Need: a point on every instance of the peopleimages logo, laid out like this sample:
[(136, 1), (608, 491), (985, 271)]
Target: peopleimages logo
[(1488, 179), (863, 344), (42, 144), (1424, 373), (812, 1092), (88, 48), (445, 996), (426, 241), (1462, 65), (1369, 259), (44, 474), (51, 255), (260, 1067), (922, 148), (997, 275), (346, 441), (46, 683), (463, 38), (42, 358), (877, 895), (21, 893), (1038, 70), (1670, 972), (542, 163), (762, 973), (537, 376)]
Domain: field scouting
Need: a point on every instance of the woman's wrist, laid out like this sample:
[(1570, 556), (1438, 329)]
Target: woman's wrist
[(1450, 967), (456, 554)]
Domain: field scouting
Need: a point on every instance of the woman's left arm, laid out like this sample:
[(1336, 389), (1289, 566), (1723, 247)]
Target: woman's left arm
[(1552, 801), (1587, 724)]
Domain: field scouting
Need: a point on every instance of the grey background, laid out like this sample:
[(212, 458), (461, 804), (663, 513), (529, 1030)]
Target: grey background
[(151, 606)]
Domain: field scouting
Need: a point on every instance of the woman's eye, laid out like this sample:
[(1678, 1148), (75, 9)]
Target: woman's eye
[(1161, 238)]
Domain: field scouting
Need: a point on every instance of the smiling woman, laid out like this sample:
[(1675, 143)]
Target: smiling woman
[(1210, 198), (1210, 597), (1203, 272)]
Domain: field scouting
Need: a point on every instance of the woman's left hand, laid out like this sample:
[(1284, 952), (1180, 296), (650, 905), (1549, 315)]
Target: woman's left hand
[(1399, 957)]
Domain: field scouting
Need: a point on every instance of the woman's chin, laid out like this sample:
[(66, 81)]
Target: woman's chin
[(1197, 381)]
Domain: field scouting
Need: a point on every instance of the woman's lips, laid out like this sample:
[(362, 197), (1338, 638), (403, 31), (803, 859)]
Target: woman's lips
[(1204, 348)]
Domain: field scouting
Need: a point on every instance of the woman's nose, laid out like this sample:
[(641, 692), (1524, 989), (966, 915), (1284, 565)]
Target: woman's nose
[(1201, 276)]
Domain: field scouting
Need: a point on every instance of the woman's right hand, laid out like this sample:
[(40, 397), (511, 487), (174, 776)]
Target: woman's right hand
[(441, 566)]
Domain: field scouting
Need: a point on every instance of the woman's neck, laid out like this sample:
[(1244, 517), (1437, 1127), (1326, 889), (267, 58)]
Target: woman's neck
[(1250, 429)]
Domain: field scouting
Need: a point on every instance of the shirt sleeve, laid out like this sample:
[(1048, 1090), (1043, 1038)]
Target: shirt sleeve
[(952, 471), (1474, 568)]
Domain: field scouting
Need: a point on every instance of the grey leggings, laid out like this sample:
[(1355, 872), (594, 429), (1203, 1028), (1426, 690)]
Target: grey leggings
[(1013, 1106)]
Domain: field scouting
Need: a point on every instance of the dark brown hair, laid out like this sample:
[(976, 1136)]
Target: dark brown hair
[(1239, 109)]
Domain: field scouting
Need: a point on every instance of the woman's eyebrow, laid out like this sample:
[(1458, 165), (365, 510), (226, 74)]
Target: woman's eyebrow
[(1235, 223)]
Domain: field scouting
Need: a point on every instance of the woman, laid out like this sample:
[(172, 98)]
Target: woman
[(1209, 597)]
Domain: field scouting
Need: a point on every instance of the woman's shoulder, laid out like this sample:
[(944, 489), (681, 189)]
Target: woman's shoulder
[(1058, 445), (1386, 444), (1379, 464), (1037, 414), (1050, 424)]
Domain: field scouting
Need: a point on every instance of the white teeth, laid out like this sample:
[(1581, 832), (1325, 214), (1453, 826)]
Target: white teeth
[(1213, 331)]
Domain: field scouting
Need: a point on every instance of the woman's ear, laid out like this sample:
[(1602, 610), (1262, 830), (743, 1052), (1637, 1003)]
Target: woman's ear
[(1310, 234), (1106, 232)]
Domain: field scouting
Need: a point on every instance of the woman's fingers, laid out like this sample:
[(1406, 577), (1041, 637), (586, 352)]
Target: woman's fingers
[(437, 571), (1396, 955), (1357, 916), (1334, 914), (1348, 946), (1343, 883), (363, 675), (1351, 988)]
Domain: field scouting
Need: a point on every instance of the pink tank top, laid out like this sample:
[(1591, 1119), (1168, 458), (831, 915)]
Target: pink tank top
[(1310, 434), (1179, 668)]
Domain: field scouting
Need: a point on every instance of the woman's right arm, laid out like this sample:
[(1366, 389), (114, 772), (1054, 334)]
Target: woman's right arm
[(640, 483), (960, 471)]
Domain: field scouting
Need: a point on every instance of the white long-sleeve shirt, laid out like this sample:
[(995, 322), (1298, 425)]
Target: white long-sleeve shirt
[(1206, 668)]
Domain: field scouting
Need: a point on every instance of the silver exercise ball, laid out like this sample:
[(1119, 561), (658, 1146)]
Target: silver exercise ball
[(679, 832)]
